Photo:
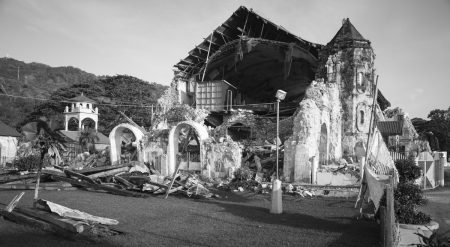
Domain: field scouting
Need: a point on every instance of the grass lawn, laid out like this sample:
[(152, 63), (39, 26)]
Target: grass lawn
[(235, 219)]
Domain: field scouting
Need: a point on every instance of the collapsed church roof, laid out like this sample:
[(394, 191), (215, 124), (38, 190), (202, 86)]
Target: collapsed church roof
[(243, 23), (257, 57)]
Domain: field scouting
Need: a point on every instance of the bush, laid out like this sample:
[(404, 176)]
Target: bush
[(408, 196), (27, 162), (407, 170)]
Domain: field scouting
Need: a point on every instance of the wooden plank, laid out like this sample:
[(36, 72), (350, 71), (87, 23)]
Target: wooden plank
[(99, 187), (14, 202), (124, 182), (100, 169), (79, 176), (389, 224), (109, 172), (11, 178), (173, 179), (45, 186), (67, 224)]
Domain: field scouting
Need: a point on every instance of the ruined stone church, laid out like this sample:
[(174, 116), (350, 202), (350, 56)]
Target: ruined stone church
[(330, 88)]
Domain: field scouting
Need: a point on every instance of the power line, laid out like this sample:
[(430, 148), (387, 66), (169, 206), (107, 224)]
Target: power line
[(125, 104)]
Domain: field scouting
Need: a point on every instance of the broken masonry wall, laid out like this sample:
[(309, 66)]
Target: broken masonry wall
[(316, 132), (220, 159)]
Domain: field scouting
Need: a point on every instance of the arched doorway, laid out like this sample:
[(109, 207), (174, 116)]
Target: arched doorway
[(185, 135), (125, 136), (73, 124), (323, 150)]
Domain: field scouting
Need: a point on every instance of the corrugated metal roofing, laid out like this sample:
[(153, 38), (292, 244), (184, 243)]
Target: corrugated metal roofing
[(6, 130), (390, 128)]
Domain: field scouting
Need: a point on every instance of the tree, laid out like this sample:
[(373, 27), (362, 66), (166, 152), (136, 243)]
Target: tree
[(48, 141), (127, 94), (87, 140), (436, 130)]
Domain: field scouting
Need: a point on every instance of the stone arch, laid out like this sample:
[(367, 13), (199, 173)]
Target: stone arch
[(239, 130), (87, 121), (172, 148), (323, 145), (73, 124), (114, 139)]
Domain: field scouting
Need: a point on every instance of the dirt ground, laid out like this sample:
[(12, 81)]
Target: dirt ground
[(235, 219)]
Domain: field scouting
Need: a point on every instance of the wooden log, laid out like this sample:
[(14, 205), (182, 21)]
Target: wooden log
[(99, 187), (390, 213), (32, 222), (11, 178), (24, 181), (174, 190), (109, 172), (14, 202), (125, 182), (70, 225), (79, 176), (51, 186), (100, 169), (175, 173)]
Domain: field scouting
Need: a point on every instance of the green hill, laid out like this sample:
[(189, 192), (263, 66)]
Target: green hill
[(112, 93), (32, 80), (37, 81)]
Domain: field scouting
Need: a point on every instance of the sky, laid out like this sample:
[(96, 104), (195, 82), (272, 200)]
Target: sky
[(146, 38)]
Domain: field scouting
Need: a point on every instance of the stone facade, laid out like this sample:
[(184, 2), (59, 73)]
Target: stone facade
[(335, 114)]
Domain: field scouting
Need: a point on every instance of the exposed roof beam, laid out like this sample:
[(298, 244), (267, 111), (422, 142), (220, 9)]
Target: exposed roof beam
[(187, 61), (194, 55)]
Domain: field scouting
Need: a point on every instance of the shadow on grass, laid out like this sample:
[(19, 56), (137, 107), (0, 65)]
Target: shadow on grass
[(353, 232)]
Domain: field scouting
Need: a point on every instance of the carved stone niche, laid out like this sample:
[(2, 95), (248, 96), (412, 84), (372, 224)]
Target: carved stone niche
[(362, 117), (361, 80)]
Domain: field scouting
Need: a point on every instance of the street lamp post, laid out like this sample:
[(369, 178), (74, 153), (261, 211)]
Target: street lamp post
[(277, 205)]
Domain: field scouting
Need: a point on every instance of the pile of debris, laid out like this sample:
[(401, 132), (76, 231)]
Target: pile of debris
[(133, 179), (87, 160)]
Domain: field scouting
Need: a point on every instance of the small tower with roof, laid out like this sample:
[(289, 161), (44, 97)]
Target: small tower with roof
[(82, 109), (348, 60)]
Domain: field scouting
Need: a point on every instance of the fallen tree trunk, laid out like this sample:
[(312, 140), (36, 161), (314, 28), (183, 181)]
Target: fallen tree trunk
[(36, 223), (99, 187), (11, 178), (70, 225), (43, 186)]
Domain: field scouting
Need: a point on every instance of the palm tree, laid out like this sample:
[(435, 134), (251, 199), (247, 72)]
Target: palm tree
[(50, 142), (87, 140)]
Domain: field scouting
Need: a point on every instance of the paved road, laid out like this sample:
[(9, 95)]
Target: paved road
[(439, 203)]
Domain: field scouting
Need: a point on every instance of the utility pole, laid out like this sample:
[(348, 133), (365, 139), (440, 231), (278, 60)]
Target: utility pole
[(18, 73)]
